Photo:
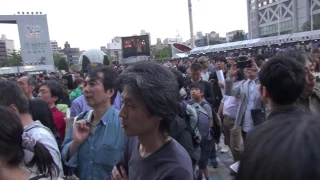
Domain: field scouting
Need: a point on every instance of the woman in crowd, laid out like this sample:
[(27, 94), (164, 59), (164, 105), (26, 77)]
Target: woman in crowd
[(13, 141)]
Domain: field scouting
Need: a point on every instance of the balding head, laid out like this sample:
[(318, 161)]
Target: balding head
[(27, 85)]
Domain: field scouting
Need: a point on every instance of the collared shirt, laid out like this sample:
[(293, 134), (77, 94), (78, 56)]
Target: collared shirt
[(80, 105), (248, 122), (230, 106), (101, 151)]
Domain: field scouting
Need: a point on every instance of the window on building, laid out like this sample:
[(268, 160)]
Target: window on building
[(253, 7), (259, 4), (270, 1), (265, 3)]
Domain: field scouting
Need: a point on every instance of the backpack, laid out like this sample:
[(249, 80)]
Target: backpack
[(216, 128), (55, 134), (192, 124), (203, 119)]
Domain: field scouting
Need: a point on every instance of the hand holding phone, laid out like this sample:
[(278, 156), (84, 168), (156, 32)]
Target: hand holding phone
[(118, 173)]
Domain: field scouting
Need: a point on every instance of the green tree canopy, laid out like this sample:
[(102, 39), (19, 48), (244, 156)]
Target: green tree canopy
[(316, 24), (106, 61), (163, 54), (60, 62), (239, 36), (13, 59), (85, 62)]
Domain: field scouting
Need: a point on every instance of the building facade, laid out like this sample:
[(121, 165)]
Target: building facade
[(276, 17), (114, 49), (72, 54), (55, 48), (3, 51), (34, 37), (229, 35)]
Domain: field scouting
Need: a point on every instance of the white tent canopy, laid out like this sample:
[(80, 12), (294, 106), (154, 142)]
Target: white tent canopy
[(287, 38)]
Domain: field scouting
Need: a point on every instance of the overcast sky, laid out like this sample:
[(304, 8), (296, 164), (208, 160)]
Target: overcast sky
[(89, 24)]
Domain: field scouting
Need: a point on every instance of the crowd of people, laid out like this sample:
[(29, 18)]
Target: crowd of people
[(164, 120)]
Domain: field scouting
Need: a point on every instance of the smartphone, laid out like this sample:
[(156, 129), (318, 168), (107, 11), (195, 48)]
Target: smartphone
[(243, 64)]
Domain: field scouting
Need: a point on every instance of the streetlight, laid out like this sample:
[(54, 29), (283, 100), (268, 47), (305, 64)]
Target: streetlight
[(191, 24), (311, 13)]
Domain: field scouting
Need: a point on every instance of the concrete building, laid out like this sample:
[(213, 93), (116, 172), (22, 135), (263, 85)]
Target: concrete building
[(276, 17), (72, 54), (229, 35), (114, 49), (9, 44), (55, 48), (3, 51), (173, 40)]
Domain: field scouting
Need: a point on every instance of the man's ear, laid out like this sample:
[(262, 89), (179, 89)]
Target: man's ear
[(265, 93), (111, 92), (14, 108)]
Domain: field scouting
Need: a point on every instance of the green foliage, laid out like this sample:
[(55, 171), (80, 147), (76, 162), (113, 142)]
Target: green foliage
[(63, 65), (13, 59), (106, 61), (60, 62), (316, 24), (213, 42), (163, 54), (75, 67), (85, 62), (237, 37)]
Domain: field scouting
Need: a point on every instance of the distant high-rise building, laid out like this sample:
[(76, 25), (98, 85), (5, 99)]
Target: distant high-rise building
[(9, 44), (274, 17), (72, 54), (54, 47)]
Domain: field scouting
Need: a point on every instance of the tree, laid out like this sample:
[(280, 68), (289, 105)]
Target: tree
[(316, 24), (213, 42), (75, 67), (239, 36), (13, 59), (63, 65), (106, 61), (85, 62), (163, 54)]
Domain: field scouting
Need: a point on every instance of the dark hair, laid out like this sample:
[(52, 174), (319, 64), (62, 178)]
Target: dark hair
[(179, 78), (182, 69), (284, 79), (298, 55), (285, 148), (109, 79), (31, 81), (11, 149), (198, 85), (158, 88), (77, 82), (260, 57), (55, 87), (81, 74), (196, 67), (11, 93), (39, 110)]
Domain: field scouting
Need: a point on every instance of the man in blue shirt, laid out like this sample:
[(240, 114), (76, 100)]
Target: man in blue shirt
[(94, 145)]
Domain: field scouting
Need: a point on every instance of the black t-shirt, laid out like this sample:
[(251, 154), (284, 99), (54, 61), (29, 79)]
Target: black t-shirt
[(170, 162)]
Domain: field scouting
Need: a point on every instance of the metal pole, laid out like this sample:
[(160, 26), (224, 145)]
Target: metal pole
[(279, 19), (311, 12), (191, 25)]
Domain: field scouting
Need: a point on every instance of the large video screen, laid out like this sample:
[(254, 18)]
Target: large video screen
[(135, 46)]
